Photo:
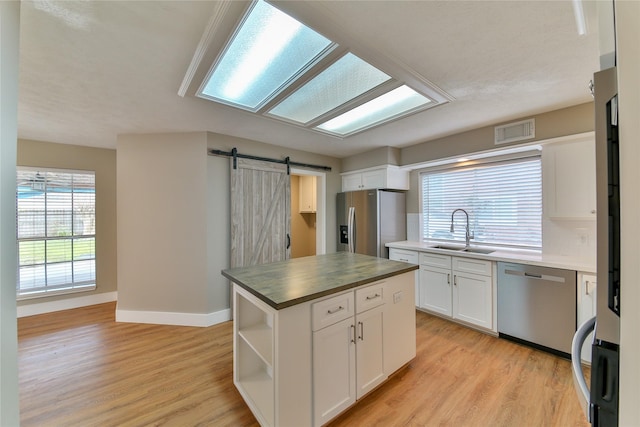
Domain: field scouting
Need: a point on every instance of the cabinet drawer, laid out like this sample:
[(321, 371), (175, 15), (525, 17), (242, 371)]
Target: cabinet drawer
[(435, 260), (332, 310), (369, 297), (472, 265), (405, 256)]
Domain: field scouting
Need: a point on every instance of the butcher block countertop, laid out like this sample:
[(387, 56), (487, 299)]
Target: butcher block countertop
[(294, 281)]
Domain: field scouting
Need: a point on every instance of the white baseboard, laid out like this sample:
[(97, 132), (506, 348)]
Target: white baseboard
[(66, 304), (170, 318)]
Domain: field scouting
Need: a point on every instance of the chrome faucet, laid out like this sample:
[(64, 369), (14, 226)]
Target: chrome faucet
[(468, 236)]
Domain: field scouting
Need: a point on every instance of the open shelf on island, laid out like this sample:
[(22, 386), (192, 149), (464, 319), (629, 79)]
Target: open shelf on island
[(260, 339), (259, 389), (253, 356)]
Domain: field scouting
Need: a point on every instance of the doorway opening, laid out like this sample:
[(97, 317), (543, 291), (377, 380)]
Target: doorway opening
[(308, 195)]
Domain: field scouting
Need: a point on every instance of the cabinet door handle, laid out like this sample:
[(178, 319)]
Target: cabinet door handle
[(361, 337), (448, 278), (587, 287), (455, 280), (352, 333), (369, 297), (335, 310)]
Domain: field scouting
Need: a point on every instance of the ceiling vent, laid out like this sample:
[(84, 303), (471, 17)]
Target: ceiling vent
[(517, 131)]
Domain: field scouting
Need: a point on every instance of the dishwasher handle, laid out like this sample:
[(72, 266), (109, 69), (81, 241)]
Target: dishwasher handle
[(534, 276)]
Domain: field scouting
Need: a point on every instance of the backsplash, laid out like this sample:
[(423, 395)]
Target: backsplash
[(569, 238), (574, 238), (413, 227)]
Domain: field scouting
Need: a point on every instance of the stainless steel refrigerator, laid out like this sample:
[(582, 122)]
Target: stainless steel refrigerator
[(368, 219), (600, 401)]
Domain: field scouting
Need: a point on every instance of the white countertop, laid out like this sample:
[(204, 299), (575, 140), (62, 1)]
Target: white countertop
[(508, 255)]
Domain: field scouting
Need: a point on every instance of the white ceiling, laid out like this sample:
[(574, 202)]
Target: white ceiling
[(90, 70)]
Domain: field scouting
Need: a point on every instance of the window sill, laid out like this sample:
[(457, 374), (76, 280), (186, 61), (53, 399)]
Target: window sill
[(51, 293)]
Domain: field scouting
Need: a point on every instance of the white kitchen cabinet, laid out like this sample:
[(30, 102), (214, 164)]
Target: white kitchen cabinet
[(457, 287), (568, 179), (411, 257), (435, 283), (334, 370), (435, 289), (304, 364), (587, 291), (348, 357), (307, 199), (399, 322), (369, 351), (390, 177)]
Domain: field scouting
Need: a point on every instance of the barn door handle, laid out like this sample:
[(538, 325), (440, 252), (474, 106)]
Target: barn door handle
[(288, 241)]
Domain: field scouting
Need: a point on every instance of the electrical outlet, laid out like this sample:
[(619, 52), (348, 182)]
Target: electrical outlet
[(397, 297), (583, 240)]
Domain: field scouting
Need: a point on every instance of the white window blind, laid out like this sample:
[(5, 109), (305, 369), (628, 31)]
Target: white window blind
[(55, 227), (504, 202)]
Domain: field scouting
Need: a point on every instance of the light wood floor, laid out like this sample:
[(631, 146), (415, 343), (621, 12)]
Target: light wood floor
[(81, 368)]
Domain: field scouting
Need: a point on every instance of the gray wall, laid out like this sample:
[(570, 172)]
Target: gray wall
[(567, 121), (162, 219), (173, 218), (377, 157), (103, 162)]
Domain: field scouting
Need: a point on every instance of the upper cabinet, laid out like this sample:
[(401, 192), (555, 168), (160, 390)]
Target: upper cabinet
[(390, 177), (569, 180), (307, 200)]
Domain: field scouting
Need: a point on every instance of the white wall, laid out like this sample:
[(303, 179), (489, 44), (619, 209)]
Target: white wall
[(9, 34), (628, 38)]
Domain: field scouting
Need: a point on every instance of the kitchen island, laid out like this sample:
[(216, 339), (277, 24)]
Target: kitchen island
[(313, 335)]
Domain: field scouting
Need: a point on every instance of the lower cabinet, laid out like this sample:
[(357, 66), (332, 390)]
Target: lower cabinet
[(587, 288), (334, 370), (348, 356), (472, 299), (435, 289), (369, 351), (290, 374), (411, 257), (457, 287)]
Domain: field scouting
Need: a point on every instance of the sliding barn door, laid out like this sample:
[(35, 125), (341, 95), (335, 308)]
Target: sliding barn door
[(260, 213)]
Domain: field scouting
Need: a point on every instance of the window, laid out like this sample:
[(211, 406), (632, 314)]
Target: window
[(503, 200), (55, 227)]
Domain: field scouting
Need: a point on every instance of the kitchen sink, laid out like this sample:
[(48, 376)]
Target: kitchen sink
[(463, 249), (478, 250), (448, 247)]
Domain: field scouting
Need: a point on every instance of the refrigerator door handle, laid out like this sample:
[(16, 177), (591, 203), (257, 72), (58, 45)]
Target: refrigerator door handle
[(350, 223), (579, 381)]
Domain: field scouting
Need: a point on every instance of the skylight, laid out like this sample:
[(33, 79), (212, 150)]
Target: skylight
[(276, 66), (267, 51), (344, 80), (381, 109)]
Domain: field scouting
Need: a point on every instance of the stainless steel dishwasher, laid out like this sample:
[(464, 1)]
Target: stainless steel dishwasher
[(537, 306)]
